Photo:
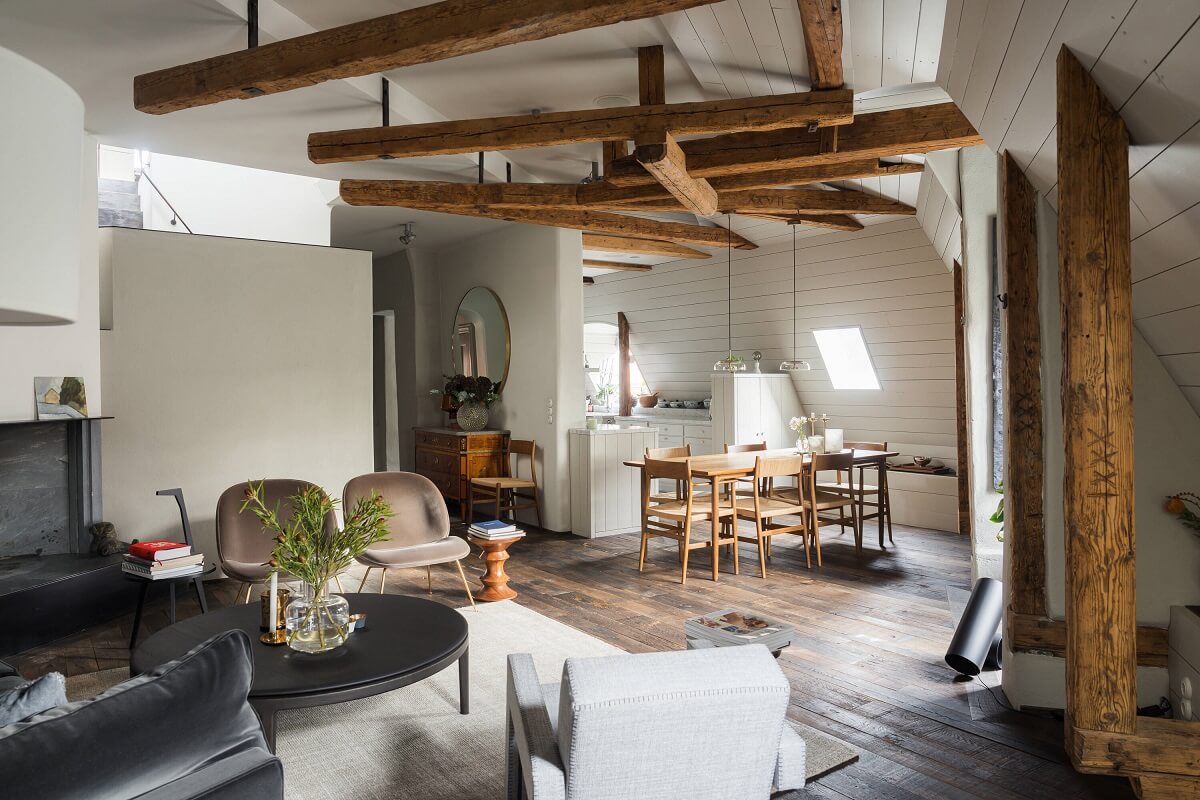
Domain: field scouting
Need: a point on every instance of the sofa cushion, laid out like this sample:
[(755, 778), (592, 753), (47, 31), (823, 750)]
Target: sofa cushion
[(32, 698), (141, 734)]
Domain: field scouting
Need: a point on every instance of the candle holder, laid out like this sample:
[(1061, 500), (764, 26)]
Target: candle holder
[(277, 633)]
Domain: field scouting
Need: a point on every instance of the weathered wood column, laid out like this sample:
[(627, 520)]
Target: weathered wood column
[(961, 412), (623, 378), (1023, 473), (1097, 387)]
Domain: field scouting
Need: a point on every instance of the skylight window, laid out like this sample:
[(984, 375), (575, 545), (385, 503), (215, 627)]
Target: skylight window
[(846, 358)]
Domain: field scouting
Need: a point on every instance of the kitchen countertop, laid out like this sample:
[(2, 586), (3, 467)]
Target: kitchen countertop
[(608, 430), (650, 415)]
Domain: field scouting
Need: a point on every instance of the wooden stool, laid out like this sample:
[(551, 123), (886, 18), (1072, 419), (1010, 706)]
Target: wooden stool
[(495, 580)]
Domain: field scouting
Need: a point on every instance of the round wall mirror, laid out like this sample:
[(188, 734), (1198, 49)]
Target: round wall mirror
[(480, 343)]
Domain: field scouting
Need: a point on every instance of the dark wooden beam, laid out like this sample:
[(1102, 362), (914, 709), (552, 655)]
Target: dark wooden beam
[(623, 379), (1024, 530), (417, 36), (836, 222), (623, 266), (822, 21), (961, 411), (650, 247), (617, 148), (1035, 633), (1096, 290), (664, 159), (883, 134), (572, 127), (652, 76)]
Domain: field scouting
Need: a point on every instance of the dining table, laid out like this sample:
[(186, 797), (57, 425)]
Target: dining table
[(723, 468)]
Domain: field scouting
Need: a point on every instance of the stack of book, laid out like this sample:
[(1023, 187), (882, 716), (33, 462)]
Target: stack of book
[(732, 627), (162, 559), (495, 529)]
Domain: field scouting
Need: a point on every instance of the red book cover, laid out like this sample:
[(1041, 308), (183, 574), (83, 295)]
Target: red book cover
[(158, 550)]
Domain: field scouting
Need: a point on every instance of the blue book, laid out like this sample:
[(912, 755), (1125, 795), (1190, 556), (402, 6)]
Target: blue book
[(493, 526)]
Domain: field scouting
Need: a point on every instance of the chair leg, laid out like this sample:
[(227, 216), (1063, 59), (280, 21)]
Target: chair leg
[(466, 585), (470, 504), (499, 494), (642, 554), (382, 578), (429, 578), (363, 582), (249, 586), (885, 498), (687, 540), (762, 549), (817, 543), (537, 508)]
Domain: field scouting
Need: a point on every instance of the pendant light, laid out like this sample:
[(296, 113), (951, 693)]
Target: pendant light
[(794, 364), (730, 363)]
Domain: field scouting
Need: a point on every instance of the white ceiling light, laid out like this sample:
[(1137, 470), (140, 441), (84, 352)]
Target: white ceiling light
[(612, 101)]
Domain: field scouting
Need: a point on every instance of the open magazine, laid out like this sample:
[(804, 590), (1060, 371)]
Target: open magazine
[(744, 626)]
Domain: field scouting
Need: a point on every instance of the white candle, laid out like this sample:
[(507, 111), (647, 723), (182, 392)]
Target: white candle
[(833, 439), (274, 613)]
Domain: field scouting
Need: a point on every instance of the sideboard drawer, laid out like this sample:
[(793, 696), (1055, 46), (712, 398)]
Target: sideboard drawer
[(440, 441), (438, 462), (448, 485)]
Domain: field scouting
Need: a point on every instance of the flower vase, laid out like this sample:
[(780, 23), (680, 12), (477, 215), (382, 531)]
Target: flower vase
[(472, 416), (318, 620), (802, 444)]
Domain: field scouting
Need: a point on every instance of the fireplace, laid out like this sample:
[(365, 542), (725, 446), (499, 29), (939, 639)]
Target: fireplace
[(50, 585)]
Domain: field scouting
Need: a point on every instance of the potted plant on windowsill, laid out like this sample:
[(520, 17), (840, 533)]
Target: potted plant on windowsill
[(306, 549), (472, 396)]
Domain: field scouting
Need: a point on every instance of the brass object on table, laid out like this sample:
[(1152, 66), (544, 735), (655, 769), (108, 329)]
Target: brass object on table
[(284, 596)]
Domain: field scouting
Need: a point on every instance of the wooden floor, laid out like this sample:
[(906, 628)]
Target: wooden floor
[(866, 667)]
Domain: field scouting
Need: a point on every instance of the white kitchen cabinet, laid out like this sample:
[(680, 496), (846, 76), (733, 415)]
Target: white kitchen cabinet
[(606, 495), (753, 407)]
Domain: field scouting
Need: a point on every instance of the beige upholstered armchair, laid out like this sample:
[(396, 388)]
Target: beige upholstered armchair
[(243, 546), (419, 531)]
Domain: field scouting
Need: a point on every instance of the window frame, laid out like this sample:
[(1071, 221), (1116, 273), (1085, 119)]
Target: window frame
[(870, 360)]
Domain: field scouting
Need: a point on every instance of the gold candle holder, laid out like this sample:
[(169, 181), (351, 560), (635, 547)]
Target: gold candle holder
[(277, 633)]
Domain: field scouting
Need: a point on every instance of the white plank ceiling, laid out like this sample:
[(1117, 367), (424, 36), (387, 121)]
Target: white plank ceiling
[(999, 66)]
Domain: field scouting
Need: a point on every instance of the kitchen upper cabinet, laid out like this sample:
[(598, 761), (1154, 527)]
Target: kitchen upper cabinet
[(753, 407)]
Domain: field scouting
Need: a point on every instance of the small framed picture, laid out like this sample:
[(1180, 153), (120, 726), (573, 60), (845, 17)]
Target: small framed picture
[(60, 398)]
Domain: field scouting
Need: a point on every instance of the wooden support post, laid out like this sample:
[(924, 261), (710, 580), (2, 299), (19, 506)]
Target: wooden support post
[(1023, 475), (822, 21), (1097, 386), (624, 380), (960, 398), (652, 80), (664, 159)]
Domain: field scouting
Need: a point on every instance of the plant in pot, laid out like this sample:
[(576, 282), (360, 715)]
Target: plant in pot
[(305, 548), (473, 396)]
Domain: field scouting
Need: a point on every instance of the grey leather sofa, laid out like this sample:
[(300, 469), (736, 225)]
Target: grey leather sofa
[(180, 732), (700, 724)]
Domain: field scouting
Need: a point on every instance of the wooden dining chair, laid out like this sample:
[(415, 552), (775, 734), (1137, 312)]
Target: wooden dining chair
[(509, 492), (672, 519), (669, 452), (764, 507), (817, 500), (752, 447), (866, 495)]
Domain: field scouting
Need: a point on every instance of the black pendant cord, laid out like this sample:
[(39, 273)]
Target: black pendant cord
[(729, 284), (794, 348)]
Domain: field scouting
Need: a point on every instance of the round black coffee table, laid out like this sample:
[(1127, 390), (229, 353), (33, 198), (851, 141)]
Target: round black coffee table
[(405, 640)]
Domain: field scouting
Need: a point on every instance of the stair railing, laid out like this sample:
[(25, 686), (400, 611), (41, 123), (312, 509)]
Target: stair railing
[(144, 173)]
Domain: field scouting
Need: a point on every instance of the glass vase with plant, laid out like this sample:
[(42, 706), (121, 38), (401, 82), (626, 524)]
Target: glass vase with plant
[(799, 426), (309, 550)]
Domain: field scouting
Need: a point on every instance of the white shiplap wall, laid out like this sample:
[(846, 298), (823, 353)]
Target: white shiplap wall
[(887, 278), (998, 64)]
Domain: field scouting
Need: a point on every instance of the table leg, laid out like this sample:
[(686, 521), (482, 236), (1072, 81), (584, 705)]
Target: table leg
[(137, 614), (266, 717), (198, 585), (464, 683), (716, 524), (882, 487)]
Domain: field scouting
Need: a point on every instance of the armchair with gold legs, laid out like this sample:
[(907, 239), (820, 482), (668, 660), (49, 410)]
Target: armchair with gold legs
[(418, 531)]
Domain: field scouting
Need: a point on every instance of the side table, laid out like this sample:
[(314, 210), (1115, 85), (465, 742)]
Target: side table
[(495, 580), (197, 581)]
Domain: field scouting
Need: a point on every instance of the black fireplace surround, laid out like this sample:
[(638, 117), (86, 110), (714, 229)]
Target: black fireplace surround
[(50, 585)]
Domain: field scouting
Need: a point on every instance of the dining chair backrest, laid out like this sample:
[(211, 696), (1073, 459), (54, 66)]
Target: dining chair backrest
[(240, 535), (670, 470), (792, 466), (669, 452), (825, 462), (512, 459), (419, 514), (745, 448), (877, 446)]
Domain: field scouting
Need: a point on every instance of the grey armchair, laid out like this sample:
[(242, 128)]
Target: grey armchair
[(700, 724)]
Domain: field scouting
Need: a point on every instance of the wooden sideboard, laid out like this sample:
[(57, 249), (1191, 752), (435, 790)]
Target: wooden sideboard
[(450, 457)]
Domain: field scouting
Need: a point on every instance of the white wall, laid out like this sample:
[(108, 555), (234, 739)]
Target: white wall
[(74, 349), (228, 360), (534, 271), (886, 278)]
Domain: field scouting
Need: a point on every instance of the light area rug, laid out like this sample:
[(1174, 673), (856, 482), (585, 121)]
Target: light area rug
[(413, 743)]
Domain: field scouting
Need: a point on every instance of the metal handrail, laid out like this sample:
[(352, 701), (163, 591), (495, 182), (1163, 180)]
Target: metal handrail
[(175, 214)]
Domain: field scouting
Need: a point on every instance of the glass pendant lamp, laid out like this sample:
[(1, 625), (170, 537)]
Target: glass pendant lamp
[(730, 363), (794, 364)]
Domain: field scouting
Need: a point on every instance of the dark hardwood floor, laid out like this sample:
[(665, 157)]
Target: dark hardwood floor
[(866, 666)]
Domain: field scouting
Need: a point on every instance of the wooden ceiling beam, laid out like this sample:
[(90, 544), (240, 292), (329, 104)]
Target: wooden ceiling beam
[(884, 134), (809, 201), (649, 247), (665, 160), (835, 222), (603, 192), (417, 36), (591, 125), (624, 266), (598, 222), (822, 23)]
